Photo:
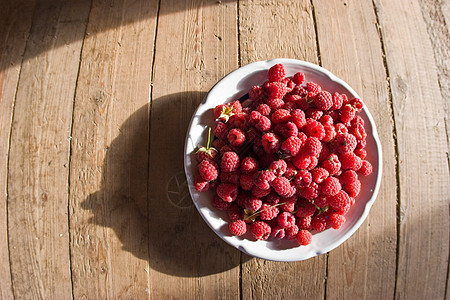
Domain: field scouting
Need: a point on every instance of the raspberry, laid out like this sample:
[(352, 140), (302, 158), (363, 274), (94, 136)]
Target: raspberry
[(248, 165), (304, 223), (291, 232), (277, 232), (277, 90), (340, 128), (298, 78), (348, 112), (227, 191), (313, 89), (229, 162), (337, 101), (330, 186), (264, 109), (230, 177), (285, 220), (319, 223), (289, 204), (260, 230), (258, 192), (309, 192), (238, 227), (324, 153), (268, 212), (236, 137), (263, 124), (218, 203), (326, 119), (312, 146), (276, 73), (350, 160), (291, 171), (218, 144), (343, 209), (323, 100), (340, 200), (303, 178), (289, 106), (314, 128), (275, 103), (273, 198), (313, 163), (299, 90), (335, 220), (280, 116), (330, 132), (361, 153), (358, 131), (263, 179), (291, 145), (319, 175), (255, 92), (353, 189), (281, 186), (304, 237), (298, 118), (208, 170), (292, 98), (321, 201), (345, 142), (252, 203), (235, 213), (239, 120), (357, 104), (246, 182), (305, 209), (348, 177), (221, 130), (366, 168), (314, 113), (270, 142), (278, 167), (201, 184), (287, 130), (302, 161)]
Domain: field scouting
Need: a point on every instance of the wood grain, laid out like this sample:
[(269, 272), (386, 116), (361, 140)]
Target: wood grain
[(38, 172), (196, 46), (15, 23), (271, 29), (109, 164), (422, 144), (364, 266)]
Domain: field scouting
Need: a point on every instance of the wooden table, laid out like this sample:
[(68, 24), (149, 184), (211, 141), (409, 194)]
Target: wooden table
[(95, 100)]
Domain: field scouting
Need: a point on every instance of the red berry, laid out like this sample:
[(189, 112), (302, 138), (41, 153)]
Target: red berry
[(236, 137), (337, 101), (260, 230), (229, 162), (366, 168), (298, 78), (314, 128), (304, 237), (305, 209), (313, 89), (270, 142), (252, 203), (277, 232), (276, 73), (291, 145), (255, 92), (304, 223), (275, 103), (291, 232), (298, 118), (230, 177), (208, 170), (330, 186), (249, 165), (277, 90), (332, 164), (312, 146), (335, 221), (353, 189), (345, 142), (235, 213), (303, 178), (201, 184), (319, 175), (278, 167), (263, 179), (323, 100), (350, 160), (340, 200), (220, 204), (246, 182), (264, 109), (319, 223), (280, 116), (227, 191), (348, 177), (238, 227), (268, 212), (281, 186), (285, 219)]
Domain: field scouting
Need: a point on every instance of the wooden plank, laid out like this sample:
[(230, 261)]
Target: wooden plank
[(196, 46), (422, 145), (38, 173), (271, 29), (350, 47), (109, 165), (15, 23)]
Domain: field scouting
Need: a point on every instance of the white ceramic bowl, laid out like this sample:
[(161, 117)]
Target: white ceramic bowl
[(235, 85)]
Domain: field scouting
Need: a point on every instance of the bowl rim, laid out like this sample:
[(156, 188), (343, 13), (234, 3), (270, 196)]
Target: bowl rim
[(374, 134)]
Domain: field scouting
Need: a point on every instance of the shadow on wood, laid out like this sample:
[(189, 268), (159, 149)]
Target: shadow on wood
[(144, 197)]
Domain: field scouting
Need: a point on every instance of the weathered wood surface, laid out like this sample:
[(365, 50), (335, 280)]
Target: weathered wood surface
[(95, 100)]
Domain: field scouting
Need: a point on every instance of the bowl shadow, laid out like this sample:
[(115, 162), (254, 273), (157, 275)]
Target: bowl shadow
[(149, 206)]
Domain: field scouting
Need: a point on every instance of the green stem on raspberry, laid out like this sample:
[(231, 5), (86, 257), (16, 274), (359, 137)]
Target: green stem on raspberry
[(255, 214)]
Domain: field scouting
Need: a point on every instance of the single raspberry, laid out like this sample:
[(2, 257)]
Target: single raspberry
[(299, 90), (292, 98), (281, 186), (248, 165), (208, 169), (303, 178), (350, 160), (348, 112), (230, 177), (304, 237), (278, 232), (270, 142), (314, 128), (305, 209), (236, 137), (309, 192), (286, 219), (304, 103), (330, 186), (238, 227), (260, 230), (227, 191), (229, 162), (304, 223), (345, 142), (326, 119), (255, 92), (345, 100), (291, 145), (219, 204), (239, 120), (335, 220), (207, 152), (289, 203), (277, 90), (314, 113), (275, 103), (357, 104), (286, 130), (313, 89), (218, 109), (254, 117), (358, 131), (321, 201), (235, 213), (289, 106), (264, 109), (323, 100), (337, 101), (340, 200), (348, 177), (200, 184), (228, 110), (263, 179), (298, 118), (361, 153), (280, 116), (227, 148), (313, 163), (330, 132), (298, 78), (332, 164), (302, 136), (319, 175), (276, 73), (252, 203), (278, 167), (291, 171), (353, 189), (259, 192), (268, 212), (344, 209), (220, 130), (312, 146), (263, 124), (273, 198), (366, 168), (319, 223), (324, 153), (246, 182), (302, 161), (340, 128), (291, 232)]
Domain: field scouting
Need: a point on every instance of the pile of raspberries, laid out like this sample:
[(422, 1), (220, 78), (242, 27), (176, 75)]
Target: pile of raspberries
[(285, 162)]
